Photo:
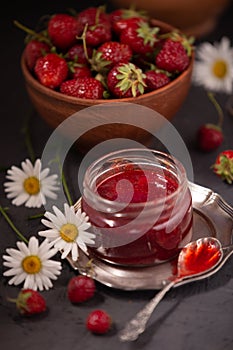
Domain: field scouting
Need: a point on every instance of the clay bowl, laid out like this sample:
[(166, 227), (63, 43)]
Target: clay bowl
[(54, 107)]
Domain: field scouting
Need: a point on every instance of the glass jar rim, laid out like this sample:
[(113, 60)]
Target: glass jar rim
[(124, 155)]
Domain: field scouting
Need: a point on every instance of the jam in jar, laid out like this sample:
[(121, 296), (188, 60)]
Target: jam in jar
[(140, 207)]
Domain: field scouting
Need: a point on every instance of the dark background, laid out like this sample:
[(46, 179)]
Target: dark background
[(196, 316)]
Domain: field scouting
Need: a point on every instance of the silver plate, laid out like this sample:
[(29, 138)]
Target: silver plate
[(212, 217)]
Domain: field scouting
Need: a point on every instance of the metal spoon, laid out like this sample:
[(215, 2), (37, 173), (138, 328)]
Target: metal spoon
[(197, 258)]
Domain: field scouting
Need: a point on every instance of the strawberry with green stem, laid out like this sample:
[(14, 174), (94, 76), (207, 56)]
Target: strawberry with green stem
[(98, 25), (175, 52), (109, 54), (37, 45), (210, 136), (29, 302), (126, 80), (223, 166), (122, 18), (141, 37)]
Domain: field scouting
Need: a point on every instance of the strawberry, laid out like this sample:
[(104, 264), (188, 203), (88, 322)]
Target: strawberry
[(83, 88), (210, 136), (172, 57), (126, 80), (96, 25), (126, 13), (30, 302), (33, 50), (80, 288), (223, 165), (98, 321), (122, 18), (155, 79), (63, 30), (80, 71), (97, 34), (51, 70), (93, 16), (77, 54), (110, 53), (141, 37)]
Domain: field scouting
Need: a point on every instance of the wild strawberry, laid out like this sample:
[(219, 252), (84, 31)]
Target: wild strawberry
[(126, 80), (80, 288), (156, 79), (210, 136), (30, 302), (172, 57), (223, 166), (77, 54), (110, 53), (141, 37), (33, 50), (63, 30), (83, 88), (51, 70), (98, 321)]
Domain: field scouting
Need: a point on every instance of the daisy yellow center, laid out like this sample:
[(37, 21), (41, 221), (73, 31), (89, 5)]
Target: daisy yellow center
[(69, 232), (31, 185), (220, 69), (31, 264)]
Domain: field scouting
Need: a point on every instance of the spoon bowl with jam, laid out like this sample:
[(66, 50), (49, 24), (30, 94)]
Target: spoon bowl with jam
[(196, 259)]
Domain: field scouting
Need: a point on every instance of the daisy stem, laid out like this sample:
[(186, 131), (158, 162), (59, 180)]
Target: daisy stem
[(67, 192), (28, 140), (21, 236), (217, 107), (63, 180), (37, 216)]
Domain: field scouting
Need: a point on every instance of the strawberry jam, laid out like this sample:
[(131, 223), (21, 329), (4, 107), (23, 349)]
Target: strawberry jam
[(140, 208)]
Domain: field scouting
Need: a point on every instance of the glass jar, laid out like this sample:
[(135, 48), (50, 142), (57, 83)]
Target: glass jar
[(140, 207)]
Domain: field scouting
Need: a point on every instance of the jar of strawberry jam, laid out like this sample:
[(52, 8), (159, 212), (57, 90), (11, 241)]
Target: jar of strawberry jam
[(140, 207)]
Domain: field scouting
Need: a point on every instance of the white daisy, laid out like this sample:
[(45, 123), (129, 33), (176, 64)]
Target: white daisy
[(32, 264), (213, 68), (67, 230), (30, 185)]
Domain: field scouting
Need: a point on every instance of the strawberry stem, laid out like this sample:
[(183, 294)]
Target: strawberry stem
[(21, 236), (217, 107), (31, 32), (12, 300), (83, 37)]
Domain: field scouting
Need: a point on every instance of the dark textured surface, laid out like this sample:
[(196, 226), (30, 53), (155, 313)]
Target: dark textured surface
[(192, 317)]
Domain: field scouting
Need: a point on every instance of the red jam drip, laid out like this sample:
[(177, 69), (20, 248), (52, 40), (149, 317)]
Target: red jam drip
[(199, 258)]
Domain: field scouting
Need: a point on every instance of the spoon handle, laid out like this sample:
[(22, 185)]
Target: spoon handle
[(138, 324)]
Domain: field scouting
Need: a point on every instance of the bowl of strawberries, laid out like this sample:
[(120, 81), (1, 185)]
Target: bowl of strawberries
[(99, 57)]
